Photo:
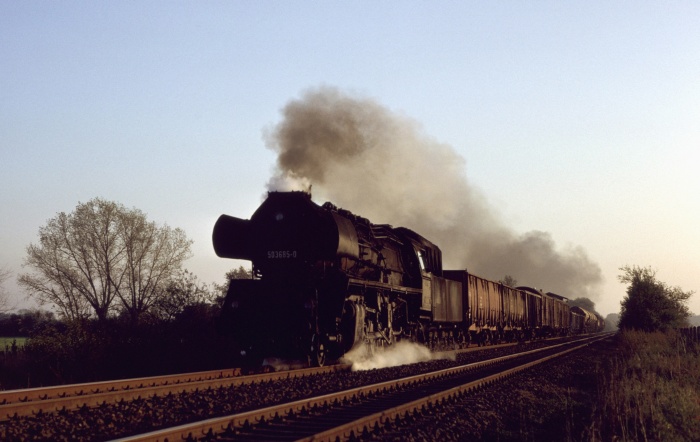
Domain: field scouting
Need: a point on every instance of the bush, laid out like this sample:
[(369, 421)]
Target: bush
[(84, 351), (651, 305)]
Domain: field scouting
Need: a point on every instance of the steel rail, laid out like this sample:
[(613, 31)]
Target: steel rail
[(114, 391), (213, 426), (60, 391)]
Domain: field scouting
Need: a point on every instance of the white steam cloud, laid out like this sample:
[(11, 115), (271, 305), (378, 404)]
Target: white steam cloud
[(400, 353), (380, 165)]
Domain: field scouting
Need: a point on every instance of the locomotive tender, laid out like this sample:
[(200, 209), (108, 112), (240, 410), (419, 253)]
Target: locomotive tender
[(326, 280)]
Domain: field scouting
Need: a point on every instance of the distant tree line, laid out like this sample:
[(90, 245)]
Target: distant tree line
[(24, 322)]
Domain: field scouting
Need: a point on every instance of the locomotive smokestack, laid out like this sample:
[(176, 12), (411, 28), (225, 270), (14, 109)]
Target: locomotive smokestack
[(288, 182), (362, 156)]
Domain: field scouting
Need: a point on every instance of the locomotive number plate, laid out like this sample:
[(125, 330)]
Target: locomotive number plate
[(281, 254)]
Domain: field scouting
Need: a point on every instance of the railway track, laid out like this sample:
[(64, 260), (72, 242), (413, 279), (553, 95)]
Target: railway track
[(32, 401), (29, 402), (349, 413)]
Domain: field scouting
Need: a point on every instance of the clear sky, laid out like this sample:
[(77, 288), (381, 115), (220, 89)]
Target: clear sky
[(581, 119)]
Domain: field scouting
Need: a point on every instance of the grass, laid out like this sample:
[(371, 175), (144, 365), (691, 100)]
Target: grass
[(650, 391)]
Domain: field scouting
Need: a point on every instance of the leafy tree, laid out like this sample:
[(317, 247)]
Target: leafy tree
[(509, 281), (100, 254), (650, 304), (239, 273), (235, 273), (611, 321), (183, 291)]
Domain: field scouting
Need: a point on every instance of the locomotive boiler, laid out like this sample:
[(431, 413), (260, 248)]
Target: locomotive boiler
[(326, 280)]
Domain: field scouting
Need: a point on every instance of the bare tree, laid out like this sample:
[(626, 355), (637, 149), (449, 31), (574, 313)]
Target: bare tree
[(5, 274), (153, 256), (99, 253), (73, 260)]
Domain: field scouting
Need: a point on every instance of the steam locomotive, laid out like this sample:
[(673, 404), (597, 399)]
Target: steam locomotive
[(326, 280)]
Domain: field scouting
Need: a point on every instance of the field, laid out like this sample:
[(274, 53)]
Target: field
[(6, 342), (651, 389)]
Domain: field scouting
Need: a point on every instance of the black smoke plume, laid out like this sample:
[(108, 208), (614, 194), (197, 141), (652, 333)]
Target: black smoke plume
[(378, 164)]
